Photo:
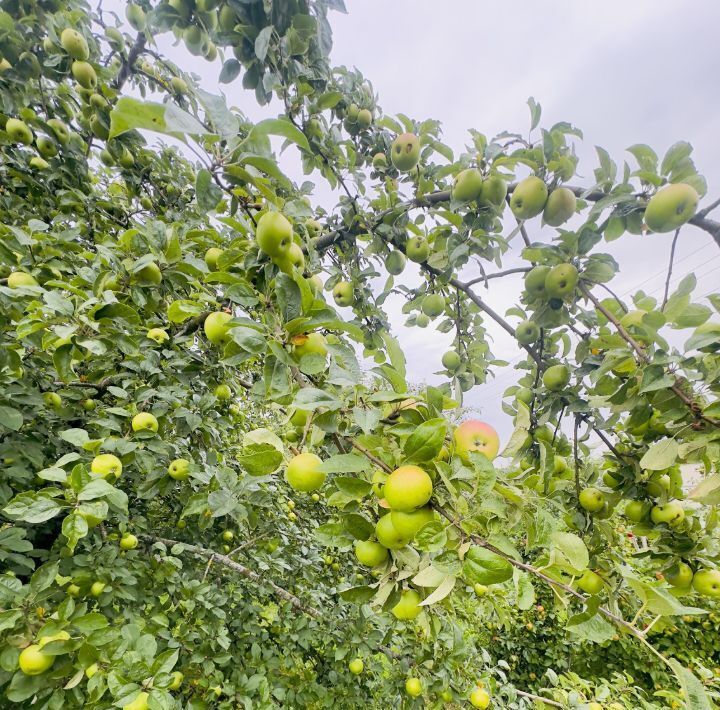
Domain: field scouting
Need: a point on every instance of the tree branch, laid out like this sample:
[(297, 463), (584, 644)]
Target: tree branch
[(670, 270), (127, 67)]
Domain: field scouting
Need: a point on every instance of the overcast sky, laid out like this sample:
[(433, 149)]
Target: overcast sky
[(625, 72)]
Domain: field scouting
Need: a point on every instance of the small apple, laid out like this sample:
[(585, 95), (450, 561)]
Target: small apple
[(590, 582), (310, 344), (378, 483), (527, 332), (21, 279), (535, 281), (356, 666), (370, 553), (474, 435), (679, 575), (128, 541), (52, 400), (670, 513), (107, 466), (18, 131), (467, 185), (216, 327), (408, 607), (84, 74), (405, 152), (222, 392), (560, 465), (529, 198), (177, 679), (135, 16), (73, 590), (179, 469), (591, 499), (60, 130), (343, 294), (89, 405), (524, 394), (387, 535), (433, 305), (33, 661), (671, 207), (274, 234), (140, 702), (364, 118), (451, 361), (408, 488), (637, 510), (46, 146), (395, 262), (480, 589), (292, 259), (228, 536), (556, 377), (159, 335), (479, 698), (211, 257), (379, 161), (561, 281), (560, 207), (74, 44), (494, 191), (149, 275), (417, 249), (414, 687), (303, 472), (38, 163), (144, 421), (96, 589), (707, 582)]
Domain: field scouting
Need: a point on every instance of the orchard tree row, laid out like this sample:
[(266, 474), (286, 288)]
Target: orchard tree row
[(220, 485)]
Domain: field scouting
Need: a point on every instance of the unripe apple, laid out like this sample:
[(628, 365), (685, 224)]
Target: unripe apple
[(671, 207), (223, 392), (149, 275), (421, 320), (135, 16), (679, 575), (556, 377), (303, 472), (408, 524), (370, 553), (637, 510), (707, 582), (144, 421), (591, 499), (84, 74), (364, 118), (494, 191), (73, 590), (474, 435), (433, 305), (33, 661), (139, 703), (177, 679), (356, 666), (211, 257), (479, 698), (527, 332), (387, 535), (343, 294), (274, 234), (128, 541), (529, 198), (38, 163), (379, 161), (18, 131), (535, 281), (52, 400), (480, 589), (395, 262), (227, 18), (228, 536), (293, 258), (60, 130), (417, 249), (451, 361), (408, 488), (46, 146), (216, 327), (524, 394), (670, 513), (467, 185), (560, 206), (74, 44), (310, 344), (561, 281), (89, 405), (590, 582), (107, 466), (378, 483), (159, 335), (408, 608), (96, 589), (405, 152), (414, 687), (179, 469), (21, 279)]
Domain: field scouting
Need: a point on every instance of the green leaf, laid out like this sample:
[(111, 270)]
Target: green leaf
[(76, 437), (312, 398), (90, 622), (661, 455), (345, 463), (100, 488), (675, 155), (357, 595), (278, 127), (358, 526), (180, 310), (32, 507), (43, 577), (572, 549), (694, 693), (74, 527), (707, 491), (262, 42), (658, 600), (354, 487), (230, 71), (443, 589), (129, 114), (594, 629), (426, 441), (207, 193), (260, 459), (485, 567), (10, 418)]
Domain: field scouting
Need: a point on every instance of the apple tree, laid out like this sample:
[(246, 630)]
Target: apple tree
[(220, 486)]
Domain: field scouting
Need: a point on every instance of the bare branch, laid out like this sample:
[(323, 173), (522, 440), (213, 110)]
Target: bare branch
[(670, 270)]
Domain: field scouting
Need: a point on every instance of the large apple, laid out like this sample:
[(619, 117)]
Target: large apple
[(343, 294), (417, 249), (274, 234), (467, 185), (303, 472), (84, 74), (292, 259), (356, 666), (18, 131), (74, 44), (474, 435), (591, 499), (560, 206), (556, 377), (451, 361), (414, 687), (408, 524), (144, 421), (149, 275), (128, 541), (33, 661), (405, 152), (707, 582), (529, 198), (535, 281), (480, 698), (670, 513), (60, 130), (561, 281), (395, 262), (433, 305), (387, 535), (527, 332), (494, 191), (671, 207), (216, 327), (310, 344), (370, 553), (107, 466), (590, 582), (179, 469), (159, 335), (408, 488), (408, 607)]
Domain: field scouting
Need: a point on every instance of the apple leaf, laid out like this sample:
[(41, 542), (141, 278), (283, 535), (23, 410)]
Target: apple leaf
[(357, 595), (10, 418), (445, 587), (32, 507), (358, 526), (429, 577), (426, 441), (707, 491), (486, 567), (693, 690), (595, 629), (74, 527), (130, 114), (658, 600), (345, 463), (572, 549), (260, 459), (278, 127), (661, 455), (519, 436)]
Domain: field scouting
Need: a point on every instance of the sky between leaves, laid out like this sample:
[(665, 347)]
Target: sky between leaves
[(623, 72)]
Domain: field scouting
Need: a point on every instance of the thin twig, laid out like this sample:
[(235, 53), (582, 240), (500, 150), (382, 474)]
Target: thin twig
[(670, 270)]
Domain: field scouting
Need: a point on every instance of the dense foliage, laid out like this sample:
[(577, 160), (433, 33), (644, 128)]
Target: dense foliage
[(219, 490)]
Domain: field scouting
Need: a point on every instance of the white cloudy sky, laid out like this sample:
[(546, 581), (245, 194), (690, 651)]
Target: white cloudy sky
[(624, 71)]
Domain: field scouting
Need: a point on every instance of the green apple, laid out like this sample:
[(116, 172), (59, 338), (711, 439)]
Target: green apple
[(590, 582), (560, 465), (387, 535), (223, 392), (527, 332), (303, 472), (106, 158), (474, 435), (671, 207), (179, 85), (405, 152), (356, 666), (33, 661), (89, 405), (556, 377), (679, 575), (21, 279), (637, 510), (395, 262), (135, 16), (227, 18), (364, 118), (74, 44), (274, 234), (417, 249), (670, 513), (467, 185), (378, 483), (60, 130), (480, 698), (84, 74), (494, 191), (211, 257), (18, 131), (107, 466), (408, 608), (228, 536), (38, 163), (370, 553), (707, 582), (293, 258), (408, 488), (658, 486), (144, 421), (414, 687), (561, 281), (139, 703), (535, 281), (177, 679), (451, 361), (46, 146), (216, 327), (52, 400), (528, 198), (421, 320), (96, 588), (149, 275), (379, 161), (316, 284), (560, 206), (73, 590), (480, 589), (159, 335), (343, 294), (128, 541), (592, 499), (179, 469), (524, 394), (408, 524), (433, 305), (310, 344)]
